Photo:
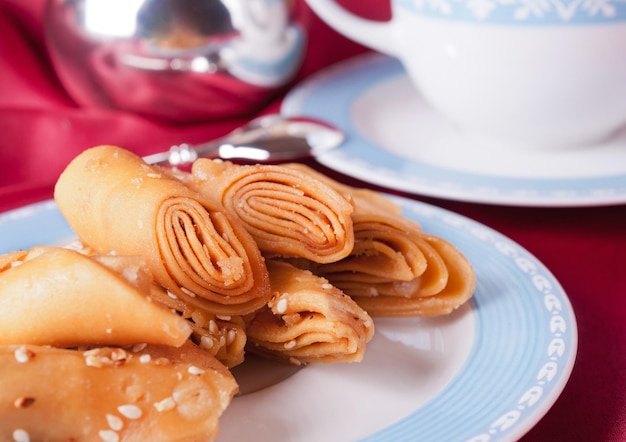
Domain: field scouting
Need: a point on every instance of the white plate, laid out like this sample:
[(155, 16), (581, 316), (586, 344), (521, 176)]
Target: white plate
[(489, 371), (396, 140)]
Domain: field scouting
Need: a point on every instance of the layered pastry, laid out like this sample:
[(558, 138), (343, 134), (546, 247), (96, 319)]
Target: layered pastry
[(118, 204), (395, 268), (288, 213), (308, 320)]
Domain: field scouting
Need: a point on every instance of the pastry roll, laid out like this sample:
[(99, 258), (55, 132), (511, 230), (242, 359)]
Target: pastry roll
[(458, 288), (308, 320), (116, 203), (110, 393), (395, 269), (287, 212), (57, 296), (398, 271)]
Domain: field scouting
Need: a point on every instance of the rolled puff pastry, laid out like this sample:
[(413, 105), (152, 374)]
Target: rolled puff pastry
[(308, 320), (57, 296), (288, 213), (395, 268), (116, 203), (107, 394), (459, 288)]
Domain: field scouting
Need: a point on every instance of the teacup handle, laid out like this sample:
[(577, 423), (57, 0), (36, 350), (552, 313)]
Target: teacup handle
[(373, 34)]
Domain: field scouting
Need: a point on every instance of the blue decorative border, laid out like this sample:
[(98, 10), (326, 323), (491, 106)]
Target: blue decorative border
[(521, 12), (525, 346)]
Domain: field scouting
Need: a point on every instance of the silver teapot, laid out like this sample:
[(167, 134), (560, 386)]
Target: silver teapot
[(177, 60)]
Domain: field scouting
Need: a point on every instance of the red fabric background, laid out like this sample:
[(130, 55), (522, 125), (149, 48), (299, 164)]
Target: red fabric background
[(41, 129)]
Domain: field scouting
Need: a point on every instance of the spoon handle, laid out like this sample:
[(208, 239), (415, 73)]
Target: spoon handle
[(224, 147), (175, 156)]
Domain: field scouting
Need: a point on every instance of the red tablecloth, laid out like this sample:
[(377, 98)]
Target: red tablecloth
[(41, 129)]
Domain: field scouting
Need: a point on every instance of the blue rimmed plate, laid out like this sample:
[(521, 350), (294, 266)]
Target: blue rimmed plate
[(395, 140), (487, 372)]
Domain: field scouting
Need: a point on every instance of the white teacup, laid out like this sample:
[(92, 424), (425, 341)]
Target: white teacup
[(540, 74)]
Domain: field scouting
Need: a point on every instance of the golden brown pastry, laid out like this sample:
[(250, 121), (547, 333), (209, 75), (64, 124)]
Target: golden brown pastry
[(366, 200), (308, 320), (56, 296), (422, 298), (287, 212), (395, 268), (116, 203), (222, 336), (160, 393)]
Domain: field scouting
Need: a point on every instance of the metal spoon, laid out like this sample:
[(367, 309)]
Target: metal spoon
[(269, 138)]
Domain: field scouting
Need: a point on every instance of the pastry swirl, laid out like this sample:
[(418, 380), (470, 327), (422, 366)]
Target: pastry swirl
[(287, 212), (116, 203), (308, 320), (395, 268)]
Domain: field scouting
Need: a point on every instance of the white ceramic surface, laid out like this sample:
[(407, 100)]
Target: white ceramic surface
[(531, 75), (488, 372), (396, 140)]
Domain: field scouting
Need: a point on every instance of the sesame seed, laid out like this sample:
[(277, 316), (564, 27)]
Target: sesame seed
[(171, 295), (118, 354), (223, 317), (16, 263), (230, 336), (93, 361), (153, 175), (22, 354), (213, 328), (108, 436), (115, 422), (144, 359), (188, 292), (20, 435), (140, 224), (281, 306), (327, 286), (165, 405), (206, 342), (295, 361), (195, 370), (23, 402), (139, 347), (290, 344), (130, 411)]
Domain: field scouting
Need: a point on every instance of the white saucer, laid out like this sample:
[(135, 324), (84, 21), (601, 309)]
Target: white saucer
[(394, 139)]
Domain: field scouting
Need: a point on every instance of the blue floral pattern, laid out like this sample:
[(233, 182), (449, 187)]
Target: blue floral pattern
[(522, 12)]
